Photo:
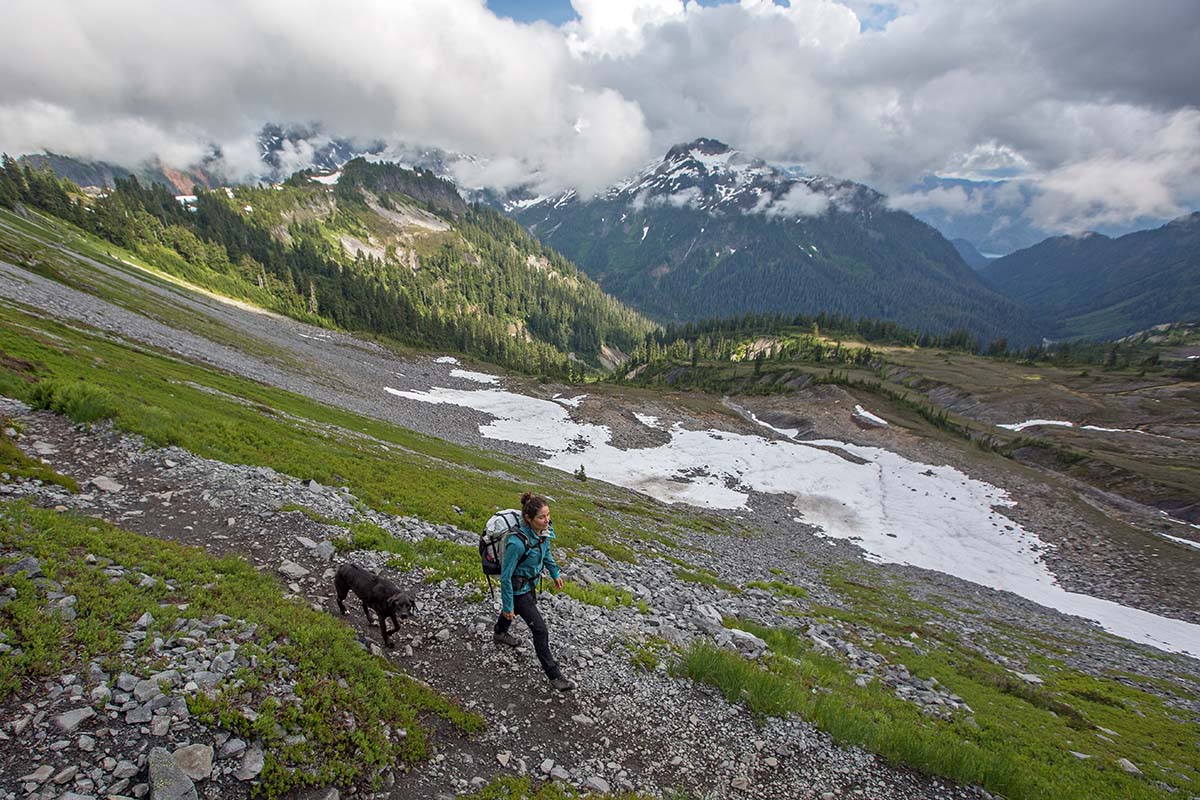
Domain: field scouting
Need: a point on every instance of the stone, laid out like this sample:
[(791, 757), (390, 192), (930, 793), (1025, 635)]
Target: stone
[(1128, 766), (547, 765), (141, 714), (232, 748), (125, 769), (560, 774), (39, 775), (67, 774), (105, 484), (292, 570), (205, 680), (170, 677), (29, 565), (707, 619), (71, 720), (252, 764), (195, 760), (326, 793), (747, 642), (595, 783), (146, 690), (167, 780), (324, 551), (86, 743)]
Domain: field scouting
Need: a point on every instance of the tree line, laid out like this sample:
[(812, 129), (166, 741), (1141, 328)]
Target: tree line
[(491, 290)]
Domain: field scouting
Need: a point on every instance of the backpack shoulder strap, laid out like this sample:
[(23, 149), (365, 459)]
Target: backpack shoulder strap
[(521, 535)]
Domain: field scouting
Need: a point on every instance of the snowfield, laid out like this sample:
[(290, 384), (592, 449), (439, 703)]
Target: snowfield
[(897, 510), (477, 377)]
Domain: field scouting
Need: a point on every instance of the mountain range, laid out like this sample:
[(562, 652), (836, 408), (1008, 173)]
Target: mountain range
[(1098, 287), (711, 232)]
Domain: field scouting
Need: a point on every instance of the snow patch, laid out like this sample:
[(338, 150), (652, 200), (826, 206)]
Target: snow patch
[(1020, 426), (478, 377), (897, 510), (645, 230), (572, 402), (1188, 542), (445, 360), (867, 415), (329, 180)]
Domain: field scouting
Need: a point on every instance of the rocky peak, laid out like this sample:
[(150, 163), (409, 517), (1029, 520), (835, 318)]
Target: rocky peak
[(703, 145)]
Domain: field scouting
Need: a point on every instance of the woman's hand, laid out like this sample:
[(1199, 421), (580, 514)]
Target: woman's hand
[(558, 582), (508, 614)]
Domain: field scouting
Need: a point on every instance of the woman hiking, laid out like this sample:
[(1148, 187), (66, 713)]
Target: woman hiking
[(525, 554)]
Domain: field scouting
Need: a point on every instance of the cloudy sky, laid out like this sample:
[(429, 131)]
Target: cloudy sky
[(1092, 107)]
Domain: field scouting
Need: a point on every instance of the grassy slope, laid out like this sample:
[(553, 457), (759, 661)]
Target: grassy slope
[(1019, 738)]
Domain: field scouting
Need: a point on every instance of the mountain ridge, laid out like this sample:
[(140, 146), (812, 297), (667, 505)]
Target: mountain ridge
[(1101, 287), (708, 231)]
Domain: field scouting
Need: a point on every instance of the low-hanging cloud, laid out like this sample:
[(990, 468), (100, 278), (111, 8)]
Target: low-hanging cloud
[(1095, 112), (799, 201)]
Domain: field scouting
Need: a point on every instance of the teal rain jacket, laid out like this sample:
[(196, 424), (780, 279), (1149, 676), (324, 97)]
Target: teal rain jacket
[(524, 563)]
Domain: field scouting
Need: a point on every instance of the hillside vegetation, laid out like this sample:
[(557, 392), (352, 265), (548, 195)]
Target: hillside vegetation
[(388, 251)]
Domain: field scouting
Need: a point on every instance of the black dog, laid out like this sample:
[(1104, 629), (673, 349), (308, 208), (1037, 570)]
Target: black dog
[(377, 594)]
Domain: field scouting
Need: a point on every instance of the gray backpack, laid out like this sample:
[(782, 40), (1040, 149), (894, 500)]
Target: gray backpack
[(500, 526)]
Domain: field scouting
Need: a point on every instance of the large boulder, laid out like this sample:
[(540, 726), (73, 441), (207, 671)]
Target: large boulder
[(167, 780)]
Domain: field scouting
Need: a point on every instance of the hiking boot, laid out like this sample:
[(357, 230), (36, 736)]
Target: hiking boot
[(506, 638), (563, 684)]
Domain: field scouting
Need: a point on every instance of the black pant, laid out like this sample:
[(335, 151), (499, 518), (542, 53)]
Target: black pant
[(525, 606)]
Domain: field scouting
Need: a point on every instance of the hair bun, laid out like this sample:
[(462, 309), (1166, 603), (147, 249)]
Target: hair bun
[(525, 498)]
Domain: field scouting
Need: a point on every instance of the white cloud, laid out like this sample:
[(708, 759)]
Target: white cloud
[(954, 200), (616, 27), (1095, 110), (800, 201), (1153, 181)]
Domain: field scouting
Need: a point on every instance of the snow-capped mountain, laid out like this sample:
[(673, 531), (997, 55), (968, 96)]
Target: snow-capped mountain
[(710, 176), (711, 231), (285, 150)]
